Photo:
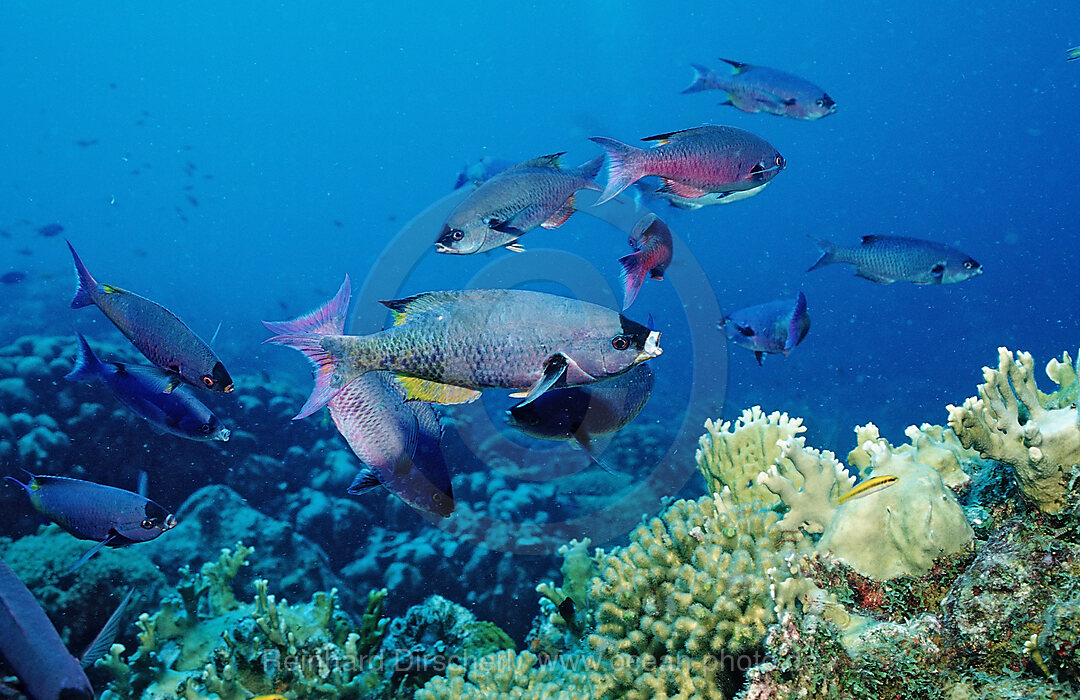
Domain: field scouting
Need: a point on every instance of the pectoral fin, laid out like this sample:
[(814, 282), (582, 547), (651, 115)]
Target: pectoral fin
[(554, 369), (680, 189), (91, 552), (172, 384), (561, 215), (515, 247), (365, 481), (937, 272)]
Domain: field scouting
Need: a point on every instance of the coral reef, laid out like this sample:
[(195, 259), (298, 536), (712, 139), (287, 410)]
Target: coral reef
[(204, 643), (1008, 423), (507, 674)]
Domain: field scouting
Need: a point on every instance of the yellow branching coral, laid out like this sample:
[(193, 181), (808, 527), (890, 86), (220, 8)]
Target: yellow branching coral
[(932, 445), (691, 586), (732, 455), (811, 505), (508, 674), (1041, 449)]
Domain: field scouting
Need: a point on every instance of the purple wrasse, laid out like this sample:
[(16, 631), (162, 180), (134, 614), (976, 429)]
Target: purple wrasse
[(157, 332), (651, 238), (396, 440), (535, 193), (447, 346), (773, 327), (760, 89), (888, 259), (693, 162)]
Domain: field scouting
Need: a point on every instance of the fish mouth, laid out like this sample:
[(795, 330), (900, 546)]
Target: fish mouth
[(443, 248), (224, 435), (170, 522), (652, 348)]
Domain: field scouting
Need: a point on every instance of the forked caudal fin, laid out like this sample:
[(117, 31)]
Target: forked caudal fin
[(305, 334), (633, 275), (87, 364), (795, 326), (828, 253), (85, 281), (624, 166), (703, 78)]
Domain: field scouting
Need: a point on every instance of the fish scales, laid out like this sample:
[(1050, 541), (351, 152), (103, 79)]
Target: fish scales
[(379, 429)]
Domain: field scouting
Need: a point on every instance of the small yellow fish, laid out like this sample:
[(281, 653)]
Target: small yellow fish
[(269, 697), (869, 486), (1073, 54)]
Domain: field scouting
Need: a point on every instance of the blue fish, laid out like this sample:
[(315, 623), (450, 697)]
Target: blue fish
[(50, 230), (110, 516), (480, 171), (13, 277), (774, 327), (145, 390)]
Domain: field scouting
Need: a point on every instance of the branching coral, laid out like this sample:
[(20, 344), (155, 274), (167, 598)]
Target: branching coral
[(732, 455), (507, 674), (1008, 423)]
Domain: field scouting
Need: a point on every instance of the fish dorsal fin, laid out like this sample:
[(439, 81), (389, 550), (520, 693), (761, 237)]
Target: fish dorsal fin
[(736, 66), (871, 238), (365, 481), (548, 161), (672, 135), (434, 392), (561, 215), (409, 307)]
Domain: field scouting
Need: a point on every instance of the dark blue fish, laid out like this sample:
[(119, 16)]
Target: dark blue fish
[(50, 230), (584, 413), (774, 327), (110, 516), (146, 391), (480, 171), (13, 277), (31, 646)]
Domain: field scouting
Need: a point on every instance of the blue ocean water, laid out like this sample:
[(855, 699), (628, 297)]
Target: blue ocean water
[(236, 161)]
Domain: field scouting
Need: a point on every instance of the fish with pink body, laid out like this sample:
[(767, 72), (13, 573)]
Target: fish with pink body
[(651, 238), (693, 162), (396, 440)]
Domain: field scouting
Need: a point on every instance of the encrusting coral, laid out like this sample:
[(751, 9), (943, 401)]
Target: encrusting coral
[(1008, 423)]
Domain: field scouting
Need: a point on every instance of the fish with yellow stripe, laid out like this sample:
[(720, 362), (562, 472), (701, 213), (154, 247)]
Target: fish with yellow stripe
[(865, 488), (446, 347)]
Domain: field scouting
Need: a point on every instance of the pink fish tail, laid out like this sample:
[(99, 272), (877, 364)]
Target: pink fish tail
[(85, 282), (626, 165), (633, 275), (327, 383), (328, 319)]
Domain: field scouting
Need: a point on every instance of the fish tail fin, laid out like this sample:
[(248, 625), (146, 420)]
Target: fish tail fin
[(702, 77), (462, 178), (327, 382), (633, 275), (86, 282), (625, 166), (828, 253), (25, 487), (591, 169), (328, 319), (87, 364), (794, 333)]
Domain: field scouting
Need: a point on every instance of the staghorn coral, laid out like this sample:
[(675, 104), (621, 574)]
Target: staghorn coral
[(1008, 423), (691, 587), (732, 455)]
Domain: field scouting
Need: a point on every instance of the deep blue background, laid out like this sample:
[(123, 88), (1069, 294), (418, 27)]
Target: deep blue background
[(955, 123)]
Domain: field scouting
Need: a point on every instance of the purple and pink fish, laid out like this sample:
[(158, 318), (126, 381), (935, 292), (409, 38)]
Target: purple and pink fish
[(651, 238)]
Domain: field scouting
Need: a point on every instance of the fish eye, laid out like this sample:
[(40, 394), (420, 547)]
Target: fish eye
[(208, 381), (204, 428), (620, 342), (820, 102), (780, 160), (457, 234), (969, 264), (147, 524)]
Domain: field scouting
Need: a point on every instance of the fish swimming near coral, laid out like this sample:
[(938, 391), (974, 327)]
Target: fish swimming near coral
[(888, 259), (145, 391), (482, 170), (396, 440), (110, 516), (448, 346), (535, 193), (157, 332), (693, 162), (760, 89), (651, 238), (865, 488), (773, 327), (584, 413)]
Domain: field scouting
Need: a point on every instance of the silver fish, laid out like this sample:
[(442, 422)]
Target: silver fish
[(888, 259)]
